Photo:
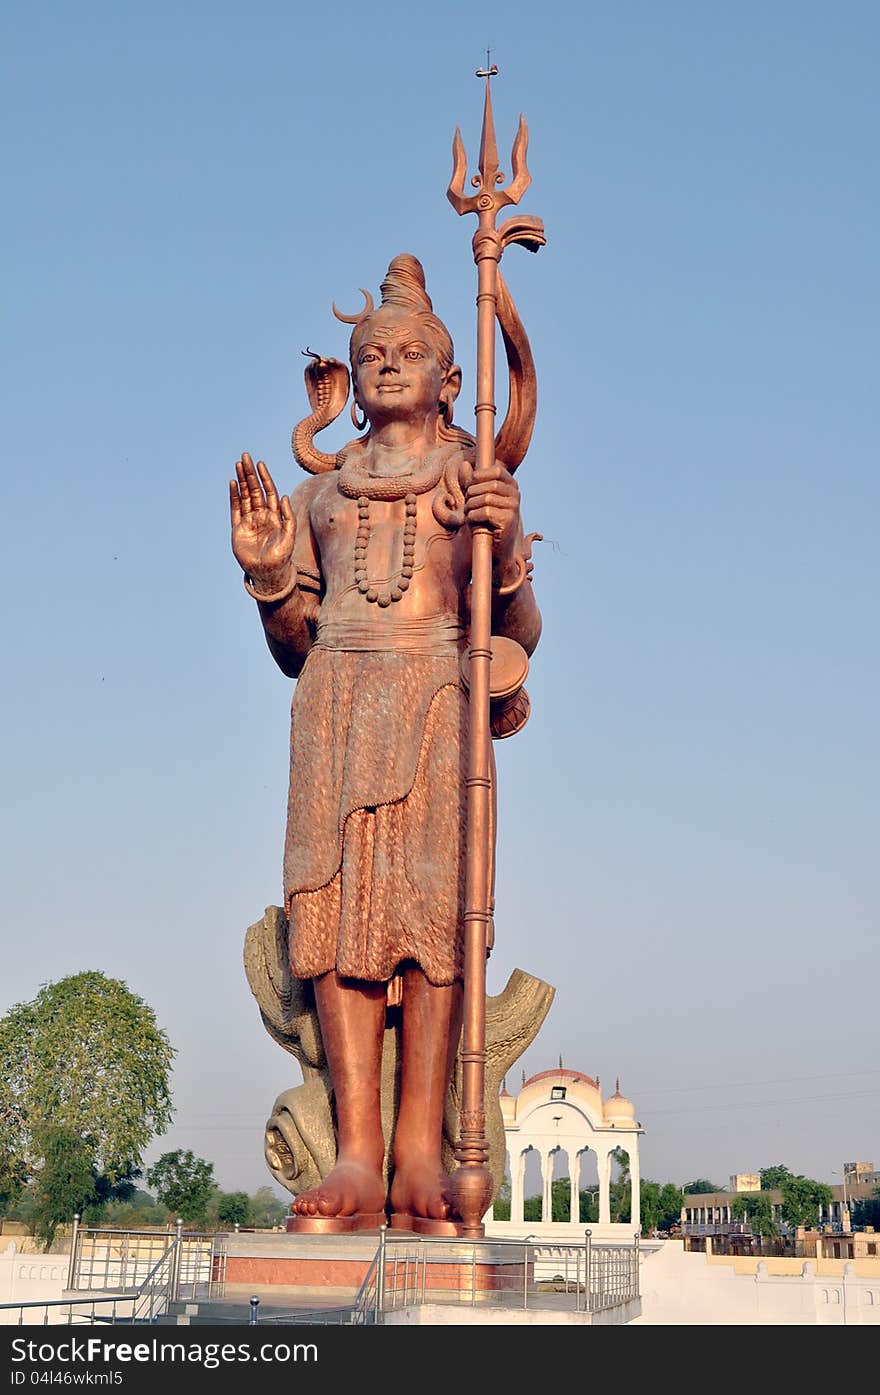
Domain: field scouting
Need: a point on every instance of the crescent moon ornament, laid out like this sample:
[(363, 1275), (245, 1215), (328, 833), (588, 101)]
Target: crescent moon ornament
[(356, 319)]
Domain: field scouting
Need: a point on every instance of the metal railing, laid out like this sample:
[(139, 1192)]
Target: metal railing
[(614, 1273), (143, 1304), (109, 1259), (129, 1276), (529, 1273)]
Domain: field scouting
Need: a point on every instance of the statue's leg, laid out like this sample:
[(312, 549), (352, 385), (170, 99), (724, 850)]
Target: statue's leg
[(352, 1018), (430, 1027)]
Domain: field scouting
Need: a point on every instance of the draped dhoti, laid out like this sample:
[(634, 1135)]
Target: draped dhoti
[(374, 864)]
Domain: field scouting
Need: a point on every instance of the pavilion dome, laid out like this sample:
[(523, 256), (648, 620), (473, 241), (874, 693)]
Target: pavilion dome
[(620, 1111), (508, 1104), (560, 1076), (573, 1086)]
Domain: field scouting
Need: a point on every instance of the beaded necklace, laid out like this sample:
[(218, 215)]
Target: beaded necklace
[(367, 588), (356, 482)]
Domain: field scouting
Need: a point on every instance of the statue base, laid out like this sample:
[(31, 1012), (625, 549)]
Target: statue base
[(335, 1225), (373, 1221), (426, 1225)]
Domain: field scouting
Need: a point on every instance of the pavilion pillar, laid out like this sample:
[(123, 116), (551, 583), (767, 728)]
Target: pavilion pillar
[(575, 1173), (604, 1163)]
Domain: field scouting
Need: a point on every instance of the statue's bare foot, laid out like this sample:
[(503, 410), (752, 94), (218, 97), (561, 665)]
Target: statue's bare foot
[(422, 1188), (352, 1188)]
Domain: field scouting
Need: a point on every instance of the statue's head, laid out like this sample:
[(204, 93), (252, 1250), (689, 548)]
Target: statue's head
[(404, 320)]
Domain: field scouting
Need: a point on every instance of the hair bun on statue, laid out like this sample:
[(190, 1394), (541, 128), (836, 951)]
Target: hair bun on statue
[(404, 284)]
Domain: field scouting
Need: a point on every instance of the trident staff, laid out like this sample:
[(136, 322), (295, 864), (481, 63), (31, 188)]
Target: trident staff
[(472, 1181)]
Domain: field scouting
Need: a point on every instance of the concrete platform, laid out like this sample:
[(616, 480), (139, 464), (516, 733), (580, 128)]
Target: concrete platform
[(461, 1315), (295, 1261), (340, 1263)]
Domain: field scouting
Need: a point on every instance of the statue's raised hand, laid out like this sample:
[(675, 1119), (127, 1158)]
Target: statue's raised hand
[(263, 526)]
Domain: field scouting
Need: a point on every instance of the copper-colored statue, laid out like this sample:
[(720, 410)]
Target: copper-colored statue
[(395, 586)]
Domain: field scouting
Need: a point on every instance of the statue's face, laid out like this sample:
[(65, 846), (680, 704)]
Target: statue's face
[(397, 369)]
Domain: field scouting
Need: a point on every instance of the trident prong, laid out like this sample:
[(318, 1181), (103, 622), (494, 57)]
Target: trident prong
[(489, 176)]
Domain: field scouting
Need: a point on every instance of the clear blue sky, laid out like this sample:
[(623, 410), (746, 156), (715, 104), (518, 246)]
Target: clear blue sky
[(689, 823)]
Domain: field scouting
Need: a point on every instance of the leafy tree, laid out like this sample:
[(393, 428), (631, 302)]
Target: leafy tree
[(866, 1212), (589, 1205), (701, 1187), (532, 1208), (620, 1158), (184, 1183), (560, 1203), (501, 1207), (65, 1183), (757, 1209), (660, 1205), (801, 1199), (233, 1208), (620, 1191), (620, 1200), (107, 1191), (560, 1199), (772, 1178), (650, 1205), (671, 1202), (85, 1056), (13, 1178), (267, 1209), (139, 1210)]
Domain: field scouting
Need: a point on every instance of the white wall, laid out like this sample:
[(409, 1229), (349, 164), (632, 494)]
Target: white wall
[(25, 1278), (683, 1288)]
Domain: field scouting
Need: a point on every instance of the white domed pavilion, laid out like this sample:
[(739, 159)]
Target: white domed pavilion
[(560, 1114)]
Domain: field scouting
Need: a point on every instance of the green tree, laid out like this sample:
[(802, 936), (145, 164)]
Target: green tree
[(85, 1056), (501, 1206), (772, 1178), (560, 1203), (560, 1199), (183, 1183), (65, 1183), (13, 1179), (650, 1206), (532, 1208), (589, 1205), (267, 1209), (701, 1187), (866, 1212), (801, 1200), (660, 1205), (620, 1190), (671, 1202), (233, 1208), (139, 1210), (756, 1208)]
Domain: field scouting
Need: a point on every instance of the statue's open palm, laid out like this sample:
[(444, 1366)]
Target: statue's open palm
[(263, 526)]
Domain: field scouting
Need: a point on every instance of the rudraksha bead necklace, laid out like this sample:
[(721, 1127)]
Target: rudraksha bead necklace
[(385, 595)]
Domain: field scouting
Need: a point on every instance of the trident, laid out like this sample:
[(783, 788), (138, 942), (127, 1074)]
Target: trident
[(472, 1180)]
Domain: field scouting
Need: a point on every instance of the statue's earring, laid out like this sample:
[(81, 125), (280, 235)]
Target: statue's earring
[(358, 425), (446, 407)]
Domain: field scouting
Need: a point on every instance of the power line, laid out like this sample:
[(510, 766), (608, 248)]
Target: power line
[(747, 1084), (765, 1104)]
